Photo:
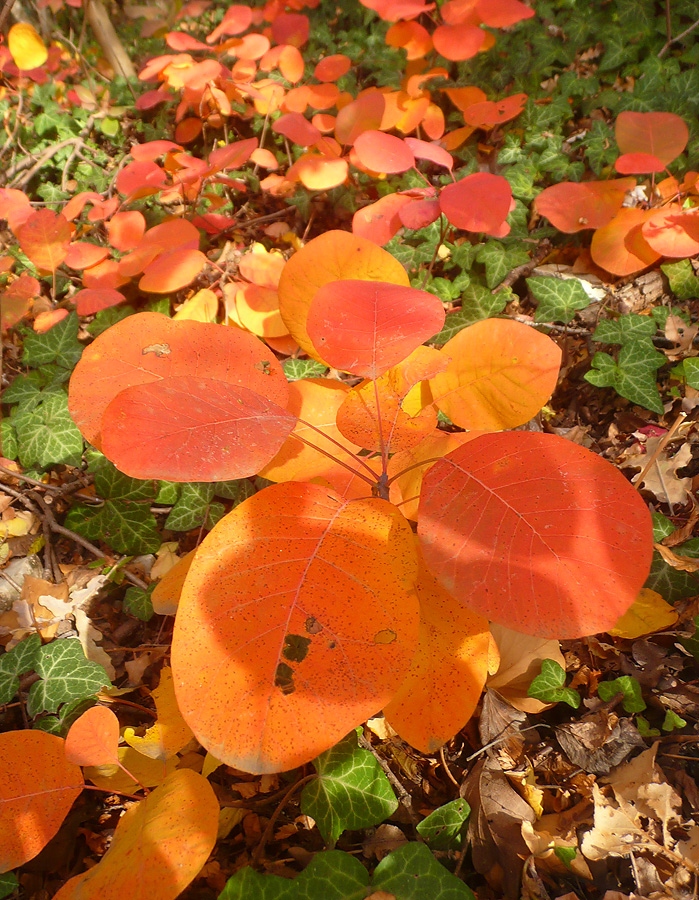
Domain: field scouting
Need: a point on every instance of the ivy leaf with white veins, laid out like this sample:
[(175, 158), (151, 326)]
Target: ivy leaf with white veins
[(22, 658), (350, 791), (633, 376), (558, 298), (194, 507), (47, 435), (412, 873), (59, 344), (296, 369), (626, 329), (549, 686), (66, 675)]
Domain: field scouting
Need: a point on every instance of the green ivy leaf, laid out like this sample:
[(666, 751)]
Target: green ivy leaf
[(443, 828), (691, 372), (8, 439), (672, 721), (644, 728), (332, 875), (137, 602), (22, 658), (168, 493), (499, 261), (105, 318), (633, 376), (67, 675), (628, 687), (8, 884), (59, 344), (477, 303), (59, 723), (684, 284), (549, 686), (194, 508), (47, 434), (412, 873), (237, 491), (625, 329), (558, 298), (296, 369), (247, 884), (662, 527), (350, 792)]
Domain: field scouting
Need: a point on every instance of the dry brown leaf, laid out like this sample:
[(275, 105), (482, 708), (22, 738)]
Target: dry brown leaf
[(520, 663), (661, 479), (683, 563)]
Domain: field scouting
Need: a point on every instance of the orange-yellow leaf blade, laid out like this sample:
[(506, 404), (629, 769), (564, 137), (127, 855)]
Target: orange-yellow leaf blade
[(37, 789), (298, 620), (93, 739), (159, 846)]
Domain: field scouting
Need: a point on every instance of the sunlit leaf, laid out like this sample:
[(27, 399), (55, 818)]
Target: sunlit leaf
[(45, 237), (503, 13), (401, 428), (536, 533), (159, 846), (125, 230), (26, 47), (442, 689), (360, 115), (648, 613), (500, 375), (620, 247), (381, 152), (37, 789), (479, 202), (330, 68), (367, 327), (673, 232), (184, 428), (332, 256), (283, 646), (172, 271), (490, 113), (170, 733), (660, 134), (93, 739), (457, 42), (149, 346), (91, 300), (380, 221), (572, 206)]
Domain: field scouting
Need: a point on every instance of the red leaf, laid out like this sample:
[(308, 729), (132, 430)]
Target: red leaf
[(82, 255), (297, 128), (479, 202), (502, 13), (139, 179), (232, 156), (420, 213), (126, 229), (664, 135), (638, 164), (382, 152), (433, 152), (149, 346), (44, 237), (490, 113), (572, 207), (330, 68), (291, 28), (380, 221), (458, 42), (185, 428), (366, 327), (153, 149), (536, 533), (363, 114), (92, 300)]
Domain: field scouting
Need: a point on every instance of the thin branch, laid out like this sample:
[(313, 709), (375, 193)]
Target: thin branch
[(671, 41)]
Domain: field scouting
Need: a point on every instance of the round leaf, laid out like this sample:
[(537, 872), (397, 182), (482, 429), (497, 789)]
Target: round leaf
[(382, 152), (27, 49), (479, 202), (192, 429), (159, 845), (93, 739), (333, 256), (297, 621), (620, 246), (659, 134), (536, 533), (45, 237), (572, 206), (172, 271), (37, 789), (500, 375), (367, 327), (149, 346)]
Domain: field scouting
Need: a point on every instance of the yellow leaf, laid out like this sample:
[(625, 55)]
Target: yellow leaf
[(27, 49), (202, 307), (150, 772), (170, 733), (648, 614)]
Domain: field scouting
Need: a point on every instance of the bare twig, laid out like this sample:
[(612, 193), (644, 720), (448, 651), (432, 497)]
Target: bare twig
[(663, 50)]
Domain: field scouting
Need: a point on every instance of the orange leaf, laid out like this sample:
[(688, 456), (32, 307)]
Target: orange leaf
[(126, 229), (258, 311), (381, 152), (502, 13), (27, 49), (380, 221), (367, 327), (500, 375), (536, 533), (282, 647), (16, 300), (184, 428), (332, 256), (620, 247), (82, 255), (465, 97), (291, 64), (166, 594), (16, 207), (37, 789), (330, 68), (489, 113), (401, 428), (479, 202), (93, 739), (141, 178), (458, 42), (572, 206), (663, 135), (669, 232), (297, 128), (172, 271), (44, 237), (414, 38), (318, 173), (443, 687), (433, 152), (159, 846), (92, 300), (638, 164), (149, 346), (360, 115)]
